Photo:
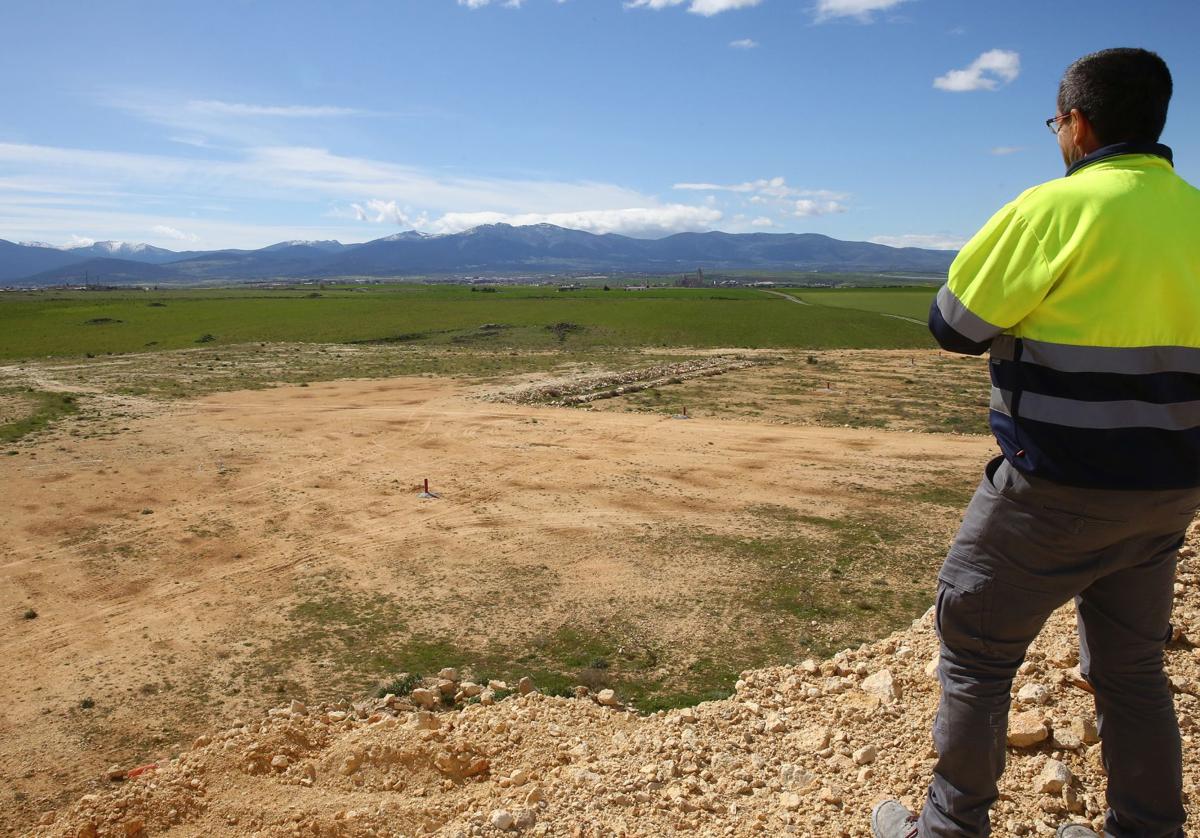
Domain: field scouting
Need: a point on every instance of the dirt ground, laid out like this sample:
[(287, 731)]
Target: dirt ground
[(201, 558)]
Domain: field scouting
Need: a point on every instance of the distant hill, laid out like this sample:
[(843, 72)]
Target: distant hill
[(21, 260), (133, 252), (103, 271), (537, 248)]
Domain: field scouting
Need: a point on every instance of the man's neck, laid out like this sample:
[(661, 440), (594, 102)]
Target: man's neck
[(1103, 153)]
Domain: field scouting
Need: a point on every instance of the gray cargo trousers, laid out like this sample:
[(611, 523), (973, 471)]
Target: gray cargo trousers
[(1027, 546)]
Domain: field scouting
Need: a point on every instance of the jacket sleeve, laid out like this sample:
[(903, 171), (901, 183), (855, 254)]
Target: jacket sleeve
[(998, 278)]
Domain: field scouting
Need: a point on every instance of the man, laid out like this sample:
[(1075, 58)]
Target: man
[(1086, 290)]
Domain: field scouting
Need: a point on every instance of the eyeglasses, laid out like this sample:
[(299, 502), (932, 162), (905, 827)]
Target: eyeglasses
[(1054, 123)]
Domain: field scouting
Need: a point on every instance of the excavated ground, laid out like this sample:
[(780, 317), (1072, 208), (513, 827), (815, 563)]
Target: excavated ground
[(802, 750)]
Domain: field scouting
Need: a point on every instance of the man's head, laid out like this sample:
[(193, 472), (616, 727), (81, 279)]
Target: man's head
[(1112, 96)]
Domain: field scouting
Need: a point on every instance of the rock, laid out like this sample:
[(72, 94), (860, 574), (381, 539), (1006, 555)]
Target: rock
[(814, 739), (1062, 654), (1054, 777), (422, 698), (865, 756), (608, 698), (297, 708), (1026, 729), (832, 795), (534, 796), (525, 686), (115, 773), (502, 819), (1065, 739), (280, 762), (495, 685), (449, 674), (775, 724), (931, 668), (1085, 729), (882, 685), (1033, 694), (446, 687), (1075, 678), (790, 801)]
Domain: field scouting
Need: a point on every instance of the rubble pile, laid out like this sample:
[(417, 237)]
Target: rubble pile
[(590, 388), (800, 750)]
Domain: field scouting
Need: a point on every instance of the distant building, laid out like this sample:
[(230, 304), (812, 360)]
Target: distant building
[(691, 281)]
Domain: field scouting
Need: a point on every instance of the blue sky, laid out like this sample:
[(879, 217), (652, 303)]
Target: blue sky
[(239, 123)]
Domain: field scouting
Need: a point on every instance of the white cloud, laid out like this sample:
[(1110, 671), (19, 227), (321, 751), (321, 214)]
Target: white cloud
[(808, 207), (213, 106), (708, 8), (764, 189), (762, 221), (860, 9), (744, 43), (64, 190), (479, 4), (630, 221), (167, 232), (929, 241), (987, 72), (1005, 150)]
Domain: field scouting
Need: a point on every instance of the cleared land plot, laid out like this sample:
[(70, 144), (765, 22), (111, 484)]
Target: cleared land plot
[(75, 324), (929, 392), (192, 561)]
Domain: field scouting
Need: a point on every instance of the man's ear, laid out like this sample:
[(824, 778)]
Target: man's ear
[(1082, 133)]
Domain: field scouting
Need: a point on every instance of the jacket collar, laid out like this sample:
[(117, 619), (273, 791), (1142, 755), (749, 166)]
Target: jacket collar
[(1157, 149)]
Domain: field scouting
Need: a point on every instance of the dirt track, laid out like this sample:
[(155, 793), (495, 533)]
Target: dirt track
[(163, 560)]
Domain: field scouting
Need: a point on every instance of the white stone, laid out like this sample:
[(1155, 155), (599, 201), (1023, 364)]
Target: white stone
[(1033, 694), (866, 755), (1054, 777), (882, 685), (502, 819)]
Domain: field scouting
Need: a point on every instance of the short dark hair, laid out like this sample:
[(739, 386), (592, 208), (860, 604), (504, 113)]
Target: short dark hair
[(1124, 93)]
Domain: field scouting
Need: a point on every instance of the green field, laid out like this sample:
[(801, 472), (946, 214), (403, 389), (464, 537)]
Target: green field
[(64, 324), (902, 302)]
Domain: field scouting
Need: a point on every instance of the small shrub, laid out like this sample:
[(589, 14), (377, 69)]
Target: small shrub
[(812, 359), (30, 614), (87, 704), (402, 685), (205, 338)]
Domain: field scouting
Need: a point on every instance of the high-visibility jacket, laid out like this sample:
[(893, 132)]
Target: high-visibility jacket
[(1086, 289)]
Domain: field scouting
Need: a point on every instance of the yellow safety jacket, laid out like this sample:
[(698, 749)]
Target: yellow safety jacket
[(1086, 289)]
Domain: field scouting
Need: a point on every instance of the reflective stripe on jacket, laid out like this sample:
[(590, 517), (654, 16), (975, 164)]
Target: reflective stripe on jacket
[(1086, 290)]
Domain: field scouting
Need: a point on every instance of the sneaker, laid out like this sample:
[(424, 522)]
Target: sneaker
[(1074, 830), (891, 820)]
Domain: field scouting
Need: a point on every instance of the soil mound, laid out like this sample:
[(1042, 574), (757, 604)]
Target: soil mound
[(802, 750)]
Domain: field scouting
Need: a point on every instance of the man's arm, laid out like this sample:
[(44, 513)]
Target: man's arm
[(955, 328), (998, 277)]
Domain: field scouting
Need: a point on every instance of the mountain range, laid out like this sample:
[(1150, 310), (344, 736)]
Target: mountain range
[(487, 249)]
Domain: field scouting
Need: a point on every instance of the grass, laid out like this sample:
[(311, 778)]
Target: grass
[(41, 324), (900, 302), (44, 408), (806, 585)]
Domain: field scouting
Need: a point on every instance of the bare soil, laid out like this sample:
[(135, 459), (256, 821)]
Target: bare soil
[(194, 562)]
